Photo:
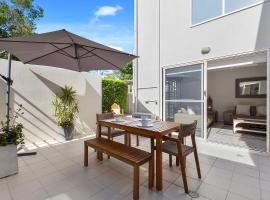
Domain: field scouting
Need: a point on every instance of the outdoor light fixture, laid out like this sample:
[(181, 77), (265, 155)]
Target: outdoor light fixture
[(205, 50)]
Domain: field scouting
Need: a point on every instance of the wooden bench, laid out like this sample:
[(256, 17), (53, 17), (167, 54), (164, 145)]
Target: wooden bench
[(129, 155)]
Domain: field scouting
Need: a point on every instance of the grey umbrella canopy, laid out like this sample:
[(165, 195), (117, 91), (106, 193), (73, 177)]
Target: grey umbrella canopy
[(65, 50), (61, 49)]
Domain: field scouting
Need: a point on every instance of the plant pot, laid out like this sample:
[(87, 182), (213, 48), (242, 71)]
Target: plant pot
[(68, 131), (8, 160)]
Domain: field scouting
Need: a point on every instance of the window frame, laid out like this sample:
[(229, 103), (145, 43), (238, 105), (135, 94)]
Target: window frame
[(224, 14)]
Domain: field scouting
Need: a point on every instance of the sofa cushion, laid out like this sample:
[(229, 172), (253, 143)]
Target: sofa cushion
[(261, 110), (243, 110)]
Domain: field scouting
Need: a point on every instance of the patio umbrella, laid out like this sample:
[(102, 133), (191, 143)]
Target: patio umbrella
[(62, 49)]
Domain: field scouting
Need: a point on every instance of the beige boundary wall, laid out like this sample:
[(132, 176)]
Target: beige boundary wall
[(34, 87)]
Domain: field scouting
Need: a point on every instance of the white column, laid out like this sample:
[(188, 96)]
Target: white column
[(205, 100), (268, 103), (135, 62)]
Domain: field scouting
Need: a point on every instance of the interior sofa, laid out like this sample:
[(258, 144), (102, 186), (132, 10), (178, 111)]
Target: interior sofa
[(191, 114), (254, 112)]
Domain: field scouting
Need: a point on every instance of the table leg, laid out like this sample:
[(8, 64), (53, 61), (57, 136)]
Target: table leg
[(159, 164), (152, 165)]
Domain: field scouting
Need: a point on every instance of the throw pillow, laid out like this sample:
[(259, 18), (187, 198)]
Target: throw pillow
[(190, 111), (243, 110), (261, 110)]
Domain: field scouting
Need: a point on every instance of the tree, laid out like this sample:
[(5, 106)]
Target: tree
[(127, 72), (17, 17)]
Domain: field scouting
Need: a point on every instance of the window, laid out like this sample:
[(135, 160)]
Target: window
[(233, 5), (203, 10)]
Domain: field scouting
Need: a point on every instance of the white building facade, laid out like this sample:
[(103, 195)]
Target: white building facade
[(179, 37)]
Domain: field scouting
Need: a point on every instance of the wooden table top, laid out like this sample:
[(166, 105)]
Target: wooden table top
[(131, 125)]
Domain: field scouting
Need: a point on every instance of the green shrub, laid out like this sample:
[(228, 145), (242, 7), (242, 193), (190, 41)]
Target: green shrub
[(65, 106), (11, 132), (113, 91)]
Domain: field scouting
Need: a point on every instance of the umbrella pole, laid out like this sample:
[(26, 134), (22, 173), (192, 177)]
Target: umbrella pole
[(9, 83)]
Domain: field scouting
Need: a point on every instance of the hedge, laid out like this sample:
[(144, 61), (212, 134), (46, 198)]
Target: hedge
[(113, 91)]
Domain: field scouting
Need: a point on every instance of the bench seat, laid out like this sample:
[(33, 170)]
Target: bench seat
[(126, 154)]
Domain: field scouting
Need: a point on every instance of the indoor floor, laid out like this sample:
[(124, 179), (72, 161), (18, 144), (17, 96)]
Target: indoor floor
[(223, 134)]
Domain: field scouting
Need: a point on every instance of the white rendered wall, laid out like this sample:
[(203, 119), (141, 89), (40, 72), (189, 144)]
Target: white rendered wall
[(221, 87), (34, 87), (148, 51), (165, 37), (243, 31)]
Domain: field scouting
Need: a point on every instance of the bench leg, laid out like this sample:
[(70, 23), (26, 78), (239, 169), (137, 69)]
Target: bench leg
[(136, 183), (85, 154)]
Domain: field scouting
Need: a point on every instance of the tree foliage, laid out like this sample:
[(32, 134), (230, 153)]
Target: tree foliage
[(18, 17), (127, 72)]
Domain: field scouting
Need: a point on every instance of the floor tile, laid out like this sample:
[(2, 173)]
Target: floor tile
[(212, 192), (247, 190), (233, 196)]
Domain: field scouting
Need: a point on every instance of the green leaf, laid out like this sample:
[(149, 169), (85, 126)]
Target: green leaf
[(113, 91)]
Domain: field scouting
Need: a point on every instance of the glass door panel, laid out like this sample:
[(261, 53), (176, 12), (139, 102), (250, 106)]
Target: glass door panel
[(183, 101)]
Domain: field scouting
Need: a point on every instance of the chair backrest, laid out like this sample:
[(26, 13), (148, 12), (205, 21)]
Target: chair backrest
[(116, 108), (104, 116), (187, 130)]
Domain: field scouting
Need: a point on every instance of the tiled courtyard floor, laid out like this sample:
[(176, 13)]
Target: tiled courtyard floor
[(57, 173)]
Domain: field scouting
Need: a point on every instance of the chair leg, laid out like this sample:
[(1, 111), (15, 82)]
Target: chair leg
[(85, 154), (170, 160), (184, 176), (177, 161), (129, 140), (126, 139), (109, 138), (196, 156), (185, 162), (197, 163), (137, 141), (136, 183)]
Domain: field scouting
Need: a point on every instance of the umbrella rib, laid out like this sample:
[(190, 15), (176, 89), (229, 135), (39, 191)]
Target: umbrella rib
[(120, 52), (64, 52), (81, 56), (103, 59), (87, 56), (56, 51)]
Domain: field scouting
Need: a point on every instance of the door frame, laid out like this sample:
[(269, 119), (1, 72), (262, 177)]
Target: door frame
[(203, 92), (205, 62)]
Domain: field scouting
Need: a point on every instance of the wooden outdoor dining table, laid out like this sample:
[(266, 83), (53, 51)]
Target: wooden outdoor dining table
[(155, 133)]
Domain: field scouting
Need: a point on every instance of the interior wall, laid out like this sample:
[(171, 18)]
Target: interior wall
[(221, 87), (34, 88)]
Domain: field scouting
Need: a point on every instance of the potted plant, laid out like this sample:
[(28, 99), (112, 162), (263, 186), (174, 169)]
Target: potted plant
[(66, 109), (11, 135)]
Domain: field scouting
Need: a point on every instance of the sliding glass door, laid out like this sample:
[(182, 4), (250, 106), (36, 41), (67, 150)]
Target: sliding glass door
[(183, 95)]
